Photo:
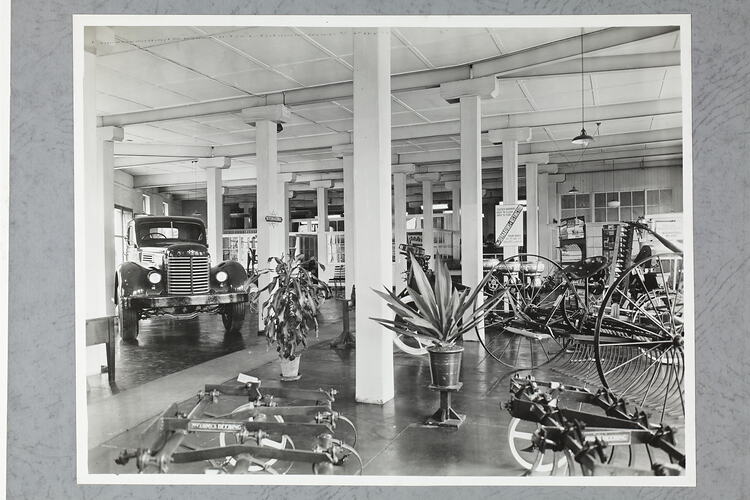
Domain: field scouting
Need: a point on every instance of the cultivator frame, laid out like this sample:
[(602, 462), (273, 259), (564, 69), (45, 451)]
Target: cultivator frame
[(585, 437), (258, 428)]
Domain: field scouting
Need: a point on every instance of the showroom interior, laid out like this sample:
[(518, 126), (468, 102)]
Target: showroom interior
[(539, 171)]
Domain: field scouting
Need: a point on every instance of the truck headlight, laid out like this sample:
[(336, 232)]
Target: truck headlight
[(154, 277), (222, 276)]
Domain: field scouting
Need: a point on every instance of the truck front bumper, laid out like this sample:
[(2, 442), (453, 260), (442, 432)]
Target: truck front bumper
[(161, 301)]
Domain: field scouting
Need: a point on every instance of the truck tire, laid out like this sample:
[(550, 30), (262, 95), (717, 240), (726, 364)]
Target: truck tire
[(128, 323), (232, 315)]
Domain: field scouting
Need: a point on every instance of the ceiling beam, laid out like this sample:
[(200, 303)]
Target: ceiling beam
[(568, 47), (600, 64), (602, 141), (506, 63), (545, 118), (232, 150)]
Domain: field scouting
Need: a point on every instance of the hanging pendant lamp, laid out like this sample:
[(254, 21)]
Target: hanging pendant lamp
[(613, 203), (583, 138)]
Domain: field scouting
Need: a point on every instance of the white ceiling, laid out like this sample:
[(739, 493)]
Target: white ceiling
[(151, 67)]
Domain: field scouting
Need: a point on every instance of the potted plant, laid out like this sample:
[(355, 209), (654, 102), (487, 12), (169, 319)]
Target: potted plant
[(438, 316), (291, 309)]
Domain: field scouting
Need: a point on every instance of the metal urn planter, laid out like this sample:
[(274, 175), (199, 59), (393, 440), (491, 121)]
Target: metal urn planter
[(445, 365)]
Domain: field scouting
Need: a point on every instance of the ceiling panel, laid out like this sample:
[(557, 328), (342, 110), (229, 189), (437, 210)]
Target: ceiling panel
[(227, 122), (671, 88), (337, 40), (405, 118), (207, 56), (317, 72), (403, 60), (502, 107), (422, 99), (447, 47), (620, 78), (163, 136), (514, 39), (321, 111), (106, 104), (275, 45), (125, 87), (661, 43), (204, 89), (303, 129), (258, 81), (188, 127), (340, 125), (549, 101), (539, 87), (146, 67), (642, 91), (666, 122)]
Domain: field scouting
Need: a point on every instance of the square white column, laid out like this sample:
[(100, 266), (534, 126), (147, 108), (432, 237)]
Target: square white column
[(214, 206), (471, 197), (510, 139), (469, 94), (543, 216), (399, 223), (271, 204), (532, 209), (321, 188), (455, 187), (372, 209), (99, 205), (347, 163)]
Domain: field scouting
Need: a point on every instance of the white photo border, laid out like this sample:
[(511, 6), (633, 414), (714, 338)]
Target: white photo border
[(467, 21)]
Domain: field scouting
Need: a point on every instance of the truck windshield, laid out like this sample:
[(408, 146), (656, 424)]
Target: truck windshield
[(165, 233)]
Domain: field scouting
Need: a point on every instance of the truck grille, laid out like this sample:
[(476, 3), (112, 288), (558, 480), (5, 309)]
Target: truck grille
[(187, 275)]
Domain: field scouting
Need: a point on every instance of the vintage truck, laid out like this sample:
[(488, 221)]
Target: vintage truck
[(167, 271)]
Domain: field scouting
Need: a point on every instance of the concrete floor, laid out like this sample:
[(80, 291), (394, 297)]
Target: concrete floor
[(392, 439)]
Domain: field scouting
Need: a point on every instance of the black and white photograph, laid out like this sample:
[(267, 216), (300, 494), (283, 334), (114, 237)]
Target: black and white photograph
[(434, 250)]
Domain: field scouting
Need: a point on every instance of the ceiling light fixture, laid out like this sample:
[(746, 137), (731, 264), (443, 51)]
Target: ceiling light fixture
[(613, 203), (583, 138)]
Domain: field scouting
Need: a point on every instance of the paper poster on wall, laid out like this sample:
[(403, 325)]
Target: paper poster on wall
[(669, 226), (509, 223), (414, 239)]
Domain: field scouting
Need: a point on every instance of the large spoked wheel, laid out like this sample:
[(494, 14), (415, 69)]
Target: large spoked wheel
[(520, 440), (527, 328), (408, 344), (232, 315), (639, 336)]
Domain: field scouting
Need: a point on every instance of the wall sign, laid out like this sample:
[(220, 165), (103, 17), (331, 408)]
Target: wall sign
[(274, 219), (510, 224)]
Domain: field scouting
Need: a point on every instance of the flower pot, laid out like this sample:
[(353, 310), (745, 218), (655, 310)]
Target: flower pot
[(290, 368), (445, 365)]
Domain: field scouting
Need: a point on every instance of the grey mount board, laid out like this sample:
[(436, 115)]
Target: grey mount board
[(41, 413)]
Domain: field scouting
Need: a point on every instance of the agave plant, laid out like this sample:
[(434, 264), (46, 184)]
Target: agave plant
[(290, 312), (439, 315)]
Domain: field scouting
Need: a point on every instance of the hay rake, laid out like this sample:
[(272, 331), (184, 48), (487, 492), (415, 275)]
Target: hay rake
[(627, 338)]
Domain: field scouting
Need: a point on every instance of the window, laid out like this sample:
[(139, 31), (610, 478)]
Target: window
[(633, 204), (146, 204), (573, 205), (659, 201), (122, 218), (165, 207), (162, 234)]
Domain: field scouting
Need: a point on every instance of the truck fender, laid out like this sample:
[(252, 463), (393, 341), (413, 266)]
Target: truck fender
[(235, 271), (131, 279)]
